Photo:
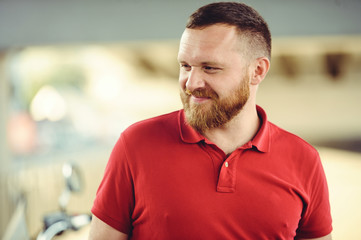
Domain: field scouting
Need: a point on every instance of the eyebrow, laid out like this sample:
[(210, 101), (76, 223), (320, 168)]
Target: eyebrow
[(212, 63)]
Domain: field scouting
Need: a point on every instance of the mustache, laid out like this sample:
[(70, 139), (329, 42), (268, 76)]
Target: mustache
[(202, 93)]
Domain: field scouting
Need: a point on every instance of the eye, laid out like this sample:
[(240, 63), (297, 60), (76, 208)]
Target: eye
[(209, 69), (185, 66)]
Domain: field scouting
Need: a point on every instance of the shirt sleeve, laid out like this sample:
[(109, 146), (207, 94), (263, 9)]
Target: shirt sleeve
[(114, 202), (316, 219)]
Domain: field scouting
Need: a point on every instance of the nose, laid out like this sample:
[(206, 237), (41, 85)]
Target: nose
[(194, 79)]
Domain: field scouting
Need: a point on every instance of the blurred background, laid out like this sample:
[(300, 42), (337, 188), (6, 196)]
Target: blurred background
[(74, 74)]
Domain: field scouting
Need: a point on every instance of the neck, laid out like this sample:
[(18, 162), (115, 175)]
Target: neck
[(237, 132)]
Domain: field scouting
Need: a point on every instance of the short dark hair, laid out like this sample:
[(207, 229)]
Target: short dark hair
[(247, 20)]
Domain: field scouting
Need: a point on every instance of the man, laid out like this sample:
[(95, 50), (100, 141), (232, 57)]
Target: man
[(217, 169)]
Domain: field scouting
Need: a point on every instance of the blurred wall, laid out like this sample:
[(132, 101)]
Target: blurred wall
[(36, 22)]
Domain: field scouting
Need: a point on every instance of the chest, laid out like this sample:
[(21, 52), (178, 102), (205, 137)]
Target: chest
[(201, 192)]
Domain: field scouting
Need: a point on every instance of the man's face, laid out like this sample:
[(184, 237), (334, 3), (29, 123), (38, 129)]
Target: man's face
[(213, 77)]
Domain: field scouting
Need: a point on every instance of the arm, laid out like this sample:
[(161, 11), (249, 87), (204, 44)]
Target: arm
[(100, 230), (327, 237)]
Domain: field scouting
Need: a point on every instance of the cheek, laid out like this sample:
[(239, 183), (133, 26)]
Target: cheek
[(182, 80)]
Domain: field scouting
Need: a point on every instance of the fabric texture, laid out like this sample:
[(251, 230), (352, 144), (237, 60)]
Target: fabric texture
[(166, 181)]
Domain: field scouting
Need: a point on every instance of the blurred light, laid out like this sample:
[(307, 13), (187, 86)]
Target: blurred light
[(38, 62), (107, 74), (48, 104), (106, 88), (67, 170)]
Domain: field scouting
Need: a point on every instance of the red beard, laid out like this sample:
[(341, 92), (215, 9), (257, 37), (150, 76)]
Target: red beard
[(203, 117)]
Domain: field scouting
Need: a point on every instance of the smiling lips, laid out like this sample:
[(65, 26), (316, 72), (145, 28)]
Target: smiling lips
[(199, 99), (198, 96)]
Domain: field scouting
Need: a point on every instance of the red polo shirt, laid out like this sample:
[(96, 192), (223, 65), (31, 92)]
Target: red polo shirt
[(166, 181)]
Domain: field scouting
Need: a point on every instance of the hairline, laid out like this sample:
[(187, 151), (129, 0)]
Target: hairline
[(245, 38)]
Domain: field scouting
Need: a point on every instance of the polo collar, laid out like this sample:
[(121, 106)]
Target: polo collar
[(261, 141)]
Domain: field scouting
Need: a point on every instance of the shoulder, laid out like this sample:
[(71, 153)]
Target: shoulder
[(281, 142), (153, 127), (290, 143), (298, 157)]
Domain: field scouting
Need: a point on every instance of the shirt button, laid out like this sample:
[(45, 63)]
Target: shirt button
[(226, 164)]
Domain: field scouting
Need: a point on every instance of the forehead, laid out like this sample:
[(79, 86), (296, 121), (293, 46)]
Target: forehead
[(216, 42)]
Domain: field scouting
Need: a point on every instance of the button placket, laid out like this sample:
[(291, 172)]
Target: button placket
[(227, 176)]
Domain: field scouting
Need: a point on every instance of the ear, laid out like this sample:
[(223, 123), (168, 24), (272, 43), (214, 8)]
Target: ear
[(259, 70)]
